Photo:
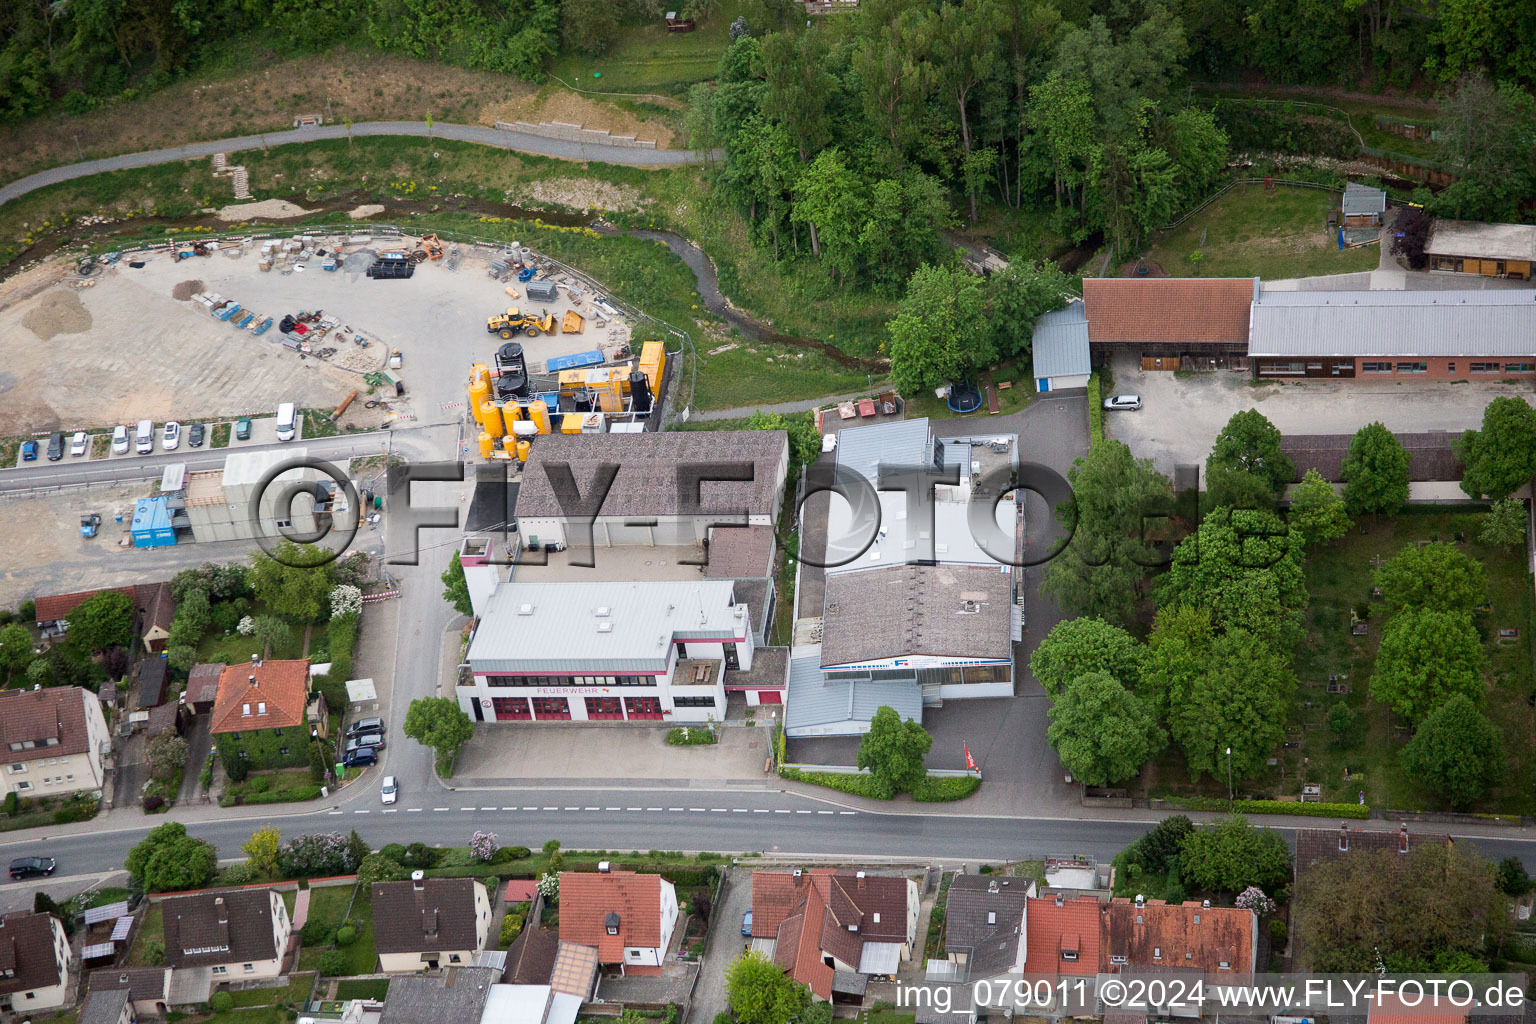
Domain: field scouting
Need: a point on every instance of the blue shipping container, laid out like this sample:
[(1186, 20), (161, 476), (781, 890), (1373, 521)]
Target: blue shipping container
[(152, 523), (574, 361)]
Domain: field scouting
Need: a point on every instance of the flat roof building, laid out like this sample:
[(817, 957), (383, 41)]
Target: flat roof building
[(1489, 250)]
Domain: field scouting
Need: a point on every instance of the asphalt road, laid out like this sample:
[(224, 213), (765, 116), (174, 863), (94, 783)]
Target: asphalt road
[(518, 141)]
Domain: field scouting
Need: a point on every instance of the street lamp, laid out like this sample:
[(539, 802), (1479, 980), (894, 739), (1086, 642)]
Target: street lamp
[(1230, 803)]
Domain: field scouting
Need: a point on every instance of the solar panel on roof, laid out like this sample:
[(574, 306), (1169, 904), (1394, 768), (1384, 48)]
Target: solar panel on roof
[(110, 912), (100, 949), (121, 929)]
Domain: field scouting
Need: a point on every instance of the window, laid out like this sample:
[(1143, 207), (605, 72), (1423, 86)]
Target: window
[(1519, 367), (63, 760), (71, 778), (1375, 367), (22, 787), (1069, 954), (1157, 952), (282, 750), (454, 958), (1118, 960), (991, 917), (17, 769), (249, 968), (221, 970), (1197, 919), (1412, 367), (634, 954), (51, 741), (245, 710), (1484, 367), (261, 707), (1224, 966), (1314, 366), (1450, 367), (693, 702)]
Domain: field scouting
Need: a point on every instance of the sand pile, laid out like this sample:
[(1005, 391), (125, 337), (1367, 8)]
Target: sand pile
[(273, 209), (367, 210), (580, 194), (57, 312), (186, 289)]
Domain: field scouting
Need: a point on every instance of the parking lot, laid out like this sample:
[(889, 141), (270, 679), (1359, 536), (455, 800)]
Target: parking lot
[(1182, 414)]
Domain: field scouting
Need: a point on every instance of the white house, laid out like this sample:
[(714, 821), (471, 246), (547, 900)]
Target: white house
[(427, 923), (628, 918), (55, 739), (223, 935), (34, 963)]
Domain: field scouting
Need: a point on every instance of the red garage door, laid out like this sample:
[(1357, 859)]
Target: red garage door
[(511, 709), (770, 696), (643, 708), (604, 708), (551, 709)]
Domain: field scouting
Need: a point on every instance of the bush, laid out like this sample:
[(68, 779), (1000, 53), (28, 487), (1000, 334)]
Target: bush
[(153, 802), (508, 854), (79, 807), (1310, 810), (512, 926), (1095, 411), (315, 932), (393, 851), (237, 768), (12, 804), (937, 791), (1278, 933), (26, 611), (420, 856), (221, 1002), (332, 962), (483, 846), (238, 874), (1341, 722), (346, 935), (691, 736), (929, 790), (378, 868)]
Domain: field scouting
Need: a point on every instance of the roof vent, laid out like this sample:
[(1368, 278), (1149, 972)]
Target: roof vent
[(418, 880), (1141, 901), (603, 612), (525, 609), (605, 627), (603, 867), (858, 874), (797, 872), (969, 607), (992, 886)]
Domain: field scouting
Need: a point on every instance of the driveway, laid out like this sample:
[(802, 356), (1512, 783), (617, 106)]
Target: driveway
[(723, 945), (515, 754), (1005, 736), (1182, 414)]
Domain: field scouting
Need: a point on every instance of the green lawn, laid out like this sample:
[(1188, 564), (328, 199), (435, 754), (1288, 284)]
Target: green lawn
[(761, 373), (648, 57), (250, 1015), (1253, 233), (1009, 400), (294, 993), (269, 787), (369, 988), (151, 933), (1338, 578), (1362, 114), (234, 648), (330, 904)]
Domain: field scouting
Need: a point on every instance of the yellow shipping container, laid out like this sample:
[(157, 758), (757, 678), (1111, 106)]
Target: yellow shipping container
[(570, 423)]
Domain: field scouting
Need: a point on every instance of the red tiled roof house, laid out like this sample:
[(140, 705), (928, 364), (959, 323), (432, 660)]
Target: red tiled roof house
[(1166, 320), (261, 713), (153, 610), (825, 923), (628, 918), (55, 739)]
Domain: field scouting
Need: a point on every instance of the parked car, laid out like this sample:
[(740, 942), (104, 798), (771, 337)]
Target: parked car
[(55, 447), (77, 444), (243, 429), (389, 791), (371, 739), (363, 726), (144, 437), (170, 440), (29, 451), (361, 757), (1123, 402), (119, 440), (746, 924), (195, 434), (32, 867)]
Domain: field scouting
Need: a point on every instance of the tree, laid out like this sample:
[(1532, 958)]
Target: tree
[(1102, 733), (15, 648), (1425, 658), (1076, 647), (1244, 566), (1457, 752), (1317, 511), (1158, 849), (588, 26), (271, 632), (1511, 877), (455, 587), (1251, 443), (42, 903), (483, 846), (893, 752), (317, 855), (357, 849), (346, 600), (1438, 899), (804, 438), (168, 860), (830, 198), (1435, 576), (378, 868), (102, 620), (167, 756), (1238, 701), (296, 582), (1375, 472), (261, 851), (1501, 457), (1504, 526), (182, 658), (1411, 229), (1178, 649), (319, 760), (437, 722), (1234, 487), (761, 993), (1116, 509), (940, 332), (1229, 855), (1018, 297)]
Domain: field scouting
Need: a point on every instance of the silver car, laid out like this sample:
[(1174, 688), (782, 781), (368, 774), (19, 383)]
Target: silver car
[(1123, 403)]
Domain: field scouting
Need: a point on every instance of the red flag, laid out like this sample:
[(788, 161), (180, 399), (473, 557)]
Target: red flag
[(970, 762)]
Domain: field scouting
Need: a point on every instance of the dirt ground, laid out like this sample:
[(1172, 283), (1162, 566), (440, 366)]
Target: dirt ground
[(361, 84), (267, 209), (580, 194)]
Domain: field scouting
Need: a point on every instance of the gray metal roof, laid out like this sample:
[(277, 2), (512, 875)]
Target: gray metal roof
[(104, 1006), (1061, 342), (894, 443), (558, 627), (1394, 323), (1362, 199), (459, 994), (840, 707), (958, 611), (1472, 238)]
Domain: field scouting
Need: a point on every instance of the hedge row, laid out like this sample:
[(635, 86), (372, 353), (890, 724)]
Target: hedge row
[(938, 791), (1308, 810), (340, 637), (930, 790), (281, 796), (1095, 411), (691, 736)]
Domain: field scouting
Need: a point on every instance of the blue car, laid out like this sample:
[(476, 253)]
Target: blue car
[(29, 451), (361, 757), (746, 925)]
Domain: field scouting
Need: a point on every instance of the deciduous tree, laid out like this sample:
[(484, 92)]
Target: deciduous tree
[(455, 588), (893, 752), (15, 648), (1238, 701), (169, 860), (1102, 733), (102, 620), (761, 993), (1504, 525), (1435, 576), (1229, 855), (1501, 457), (438, 722), (1457, 752), (1317, 511), (1076, 647), (296, 583), (167, 756), (940, 332), (1375, 472), (261, 849), (1426, 657), (1251, 443)]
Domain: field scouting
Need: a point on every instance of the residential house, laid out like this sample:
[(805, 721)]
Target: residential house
[(1316, 846), (1489, 250), (667, 489), (1393, 1009), (55, 739), (262, 713), (457, 996), (1172, 323), (147, 987), (627, 917), (203, 687), (223, 935), (833, 930), (153, 607), (427, 923), (984, 933), (1362, 205), (1063, 936), (34, 963), (107, 1006), (1143, 934)]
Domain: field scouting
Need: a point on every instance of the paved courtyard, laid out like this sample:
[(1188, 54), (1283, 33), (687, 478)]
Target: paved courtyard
[(521, 753), (1182, 414)]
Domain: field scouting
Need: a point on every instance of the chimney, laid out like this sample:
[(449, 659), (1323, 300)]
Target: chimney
[(223, 911), (603, 867), (1402, 838), (1061, 899), (797, 872), (1344, 836), (253, 679), (859, 877), (418, 880), (992, 886), (429, 923), (1141, 901), (1205, 904), (256, 660)]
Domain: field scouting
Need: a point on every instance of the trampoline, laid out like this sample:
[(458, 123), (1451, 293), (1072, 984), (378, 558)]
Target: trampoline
[(964, 398)]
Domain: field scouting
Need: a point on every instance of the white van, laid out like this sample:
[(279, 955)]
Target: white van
[(144, 437), (287, 414)]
